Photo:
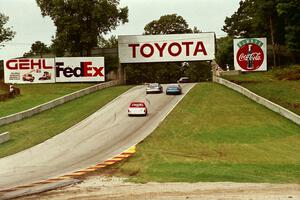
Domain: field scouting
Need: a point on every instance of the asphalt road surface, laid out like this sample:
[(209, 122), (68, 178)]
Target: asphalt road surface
[(101, 136)]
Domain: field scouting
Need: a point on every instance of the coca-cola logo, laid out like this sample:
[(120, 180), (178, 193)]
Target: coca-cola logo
[(250, 56)]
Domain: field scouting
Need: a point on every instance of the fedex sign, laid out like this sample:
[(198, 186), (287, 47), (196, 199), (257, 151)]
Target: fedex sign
[(166, 48), (79, 69)]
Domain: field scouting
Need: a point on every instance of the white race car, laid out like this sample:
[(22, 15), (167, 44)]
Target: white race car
[(137, 108), (154, 88)]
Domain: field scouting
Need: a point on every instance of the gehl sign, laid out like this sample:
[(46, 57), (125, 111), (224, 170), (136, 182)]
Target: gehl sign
[(50, 70), (166, 48)]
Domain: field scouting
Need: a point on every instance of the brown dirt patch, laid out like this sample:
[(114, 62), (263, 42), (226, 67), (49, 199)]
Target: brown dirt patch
[(100, 188)]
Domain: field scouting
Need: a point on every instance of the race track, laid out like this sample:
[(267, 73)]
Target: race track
[(101, 136)]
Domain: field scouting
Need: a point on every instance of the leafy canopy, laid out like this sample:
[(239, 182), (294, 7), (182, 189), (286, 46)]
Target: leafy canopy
[(37, 49), (168, 24), (276, 19), (6, 34), (80, 22), (111, 42), (289, 10)]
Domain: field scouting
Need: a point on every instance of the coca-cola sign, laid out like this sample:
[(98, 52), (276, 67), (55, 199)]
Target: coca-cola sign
[(250, 54)]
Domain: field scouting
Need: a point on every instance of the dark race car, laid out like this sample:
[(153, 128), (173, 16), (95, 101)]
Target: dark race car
[(184, 80)]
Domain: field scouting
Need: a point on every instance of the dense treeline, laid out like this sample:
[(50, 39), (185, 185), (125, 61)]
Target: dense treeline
[(167, 72), (278, 20)]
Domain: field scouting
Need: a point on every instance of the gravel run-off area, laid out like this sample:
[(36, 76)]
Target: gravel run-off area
[(102, 187)]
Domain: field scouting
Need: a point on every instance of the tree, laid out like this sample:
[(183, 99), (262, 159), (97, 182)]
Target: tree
[(240, 24), (168, 24), (224, 53), (80, 22), (111, 42), (153, 72), (6, 34), (111, 60), (199, 71), (266, 13), (257, 18), (254, 18), (37, 49), (289, 10)]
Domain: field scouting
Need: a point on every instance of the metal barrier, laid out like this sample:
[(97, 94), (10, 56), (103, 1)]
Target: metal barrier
[(61, 100), (4, 137), (258, 99)]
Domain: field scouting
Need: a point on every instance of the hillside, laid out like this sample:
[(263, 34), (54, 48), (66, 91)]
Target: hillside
[(281, 86), (216, 134)]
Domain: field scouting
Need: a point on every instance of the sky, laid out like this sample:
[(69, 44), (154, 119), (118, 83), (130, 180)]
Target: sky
[(26, 20)]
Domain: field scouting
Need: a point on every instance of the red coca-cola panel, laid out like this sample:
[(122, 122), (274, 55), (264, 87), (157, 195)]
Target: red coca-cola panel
[(250, 56)]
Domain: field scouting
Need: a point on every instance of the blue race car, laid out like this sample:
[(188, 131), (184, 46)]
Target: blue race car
[(173, 89)]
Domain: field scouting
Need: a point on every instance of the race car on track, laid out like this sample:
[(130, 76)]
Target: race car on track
[(137, 109), (154, 88), (173, 89), (184, 80)]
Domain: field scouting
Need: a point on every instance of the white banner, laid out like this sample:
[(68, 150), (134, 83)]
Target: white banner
[(166, 48), (79, 69), (250, 54), (29, 70)]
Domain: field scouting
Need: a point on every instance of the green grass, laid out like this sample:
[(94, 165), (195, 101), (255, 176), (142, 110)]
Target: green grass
[(34, 130), (216, 134), (36, 94), (281, 86)]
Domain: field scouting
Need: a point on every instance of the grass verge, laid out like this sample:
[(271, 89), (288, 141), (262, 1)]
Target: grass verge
[(36, 94), (281, 86), (34, 130), (216, 134)]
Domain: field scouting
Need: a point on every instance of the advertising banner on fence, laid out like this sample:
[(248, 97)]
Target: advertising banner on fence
[(79, 69), (250, 54), (166, 48), (29, 70)]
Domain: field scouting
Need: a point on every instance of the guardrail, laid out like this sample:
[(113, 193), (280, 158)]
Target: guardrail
[(272, 106), (61, 100)]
